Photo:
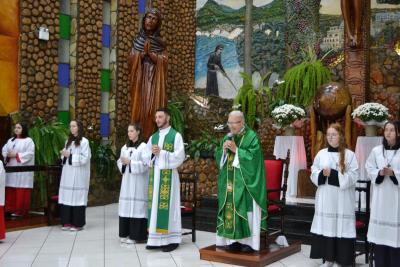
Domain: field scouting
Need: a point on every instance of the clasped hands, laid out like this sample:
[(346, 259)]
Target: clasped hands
[(386, 172), (229, 144), (65, 153), (11, 154), (125, 161), (326, 172)]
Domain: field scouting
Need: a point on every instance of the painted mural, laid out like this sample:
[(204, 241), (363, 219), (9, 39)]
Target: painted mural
[(385, 24), (220, 43)]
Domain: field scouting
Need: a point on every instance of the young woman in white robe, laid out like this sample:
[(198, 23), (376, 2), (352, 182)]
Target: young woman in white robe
[(133, 198), (335, 173), (19, 151), (383, 168), (75, 178), (2, 193)]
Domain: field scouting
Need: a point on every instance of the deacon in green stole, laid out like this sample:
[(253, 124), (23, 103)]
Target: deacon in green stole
[(241, 188), (165, 153)]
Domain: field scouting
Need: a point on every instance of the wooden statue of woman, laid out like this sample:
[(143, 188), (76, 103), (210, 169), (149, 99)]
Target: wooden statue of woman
[(352, 16), (148, 73)]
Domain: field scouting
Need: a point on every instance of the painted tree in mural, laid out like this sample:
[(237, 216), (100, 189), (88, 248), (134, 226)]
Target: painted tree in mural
[(248, 29)]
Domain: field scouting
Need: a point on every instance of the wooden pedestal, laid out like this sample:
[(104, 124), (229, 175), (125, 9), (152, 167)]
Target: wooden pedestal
[(256, 259)]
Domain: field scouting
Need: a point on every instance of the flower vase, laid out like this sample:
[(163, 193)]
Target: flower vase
[(289, 131), (370, 130)]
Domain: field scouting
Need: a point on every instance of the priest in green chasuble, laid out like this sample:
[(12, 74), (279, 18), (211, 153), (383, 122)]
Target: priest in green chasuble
[(241, 188)]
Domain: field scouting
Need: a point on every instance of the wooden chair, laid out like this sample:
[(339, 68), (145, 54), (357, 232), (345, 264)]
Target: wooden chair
[(276, 191), (362, 219), (188, 182)]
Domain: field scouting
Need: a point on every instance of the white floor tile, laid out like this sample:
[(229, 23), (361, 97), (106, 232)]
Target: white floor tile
[(98, 245), (15, 263)]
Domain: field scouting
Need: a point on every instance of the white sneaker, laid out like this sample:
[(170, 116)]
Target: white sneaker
[(65, 228), (75, 229), (129, 241), (123, 239)]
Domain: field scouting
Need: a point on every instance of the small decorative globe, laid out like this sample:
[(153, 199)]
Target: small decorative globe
[(331, 100)]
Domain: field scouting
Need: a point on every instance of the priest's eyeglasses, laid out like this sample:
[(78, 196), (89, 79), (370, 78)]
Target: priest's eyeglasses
[(233, 122)]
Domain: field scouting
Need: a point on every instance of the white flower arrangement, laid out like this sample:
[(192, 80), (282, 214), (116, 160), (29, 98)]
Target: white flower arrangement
[(371, 114), (286, 114)]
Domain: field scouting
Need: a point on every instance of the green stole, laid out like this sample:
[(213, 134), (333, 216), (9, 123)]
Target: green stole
[(164, 186)]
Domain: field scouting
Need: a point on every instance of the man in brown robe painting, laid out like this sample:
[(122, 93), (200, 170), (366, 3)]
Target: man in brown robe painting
[(148, 72)]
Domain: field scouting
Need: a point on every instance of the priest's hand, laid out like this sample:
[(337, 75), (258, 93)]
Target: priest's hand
[(232, 146), (155, 150), (225, 146), (125, 161), (326, 172)]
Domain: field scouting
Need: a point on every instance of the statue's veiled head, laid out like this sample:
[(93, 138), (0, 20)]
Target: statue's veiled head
[(151, 21)]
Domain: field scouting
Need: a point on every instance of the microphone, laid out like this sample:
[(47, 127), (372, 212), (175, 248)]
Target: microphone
[(230, 136)]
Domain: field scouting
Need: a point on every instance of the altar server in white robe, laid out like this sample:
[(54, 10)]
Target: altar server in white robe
[(166, 153), (75, 178), (383, 168), (19, 151), (134, 188), (2, 193), (335, 173)]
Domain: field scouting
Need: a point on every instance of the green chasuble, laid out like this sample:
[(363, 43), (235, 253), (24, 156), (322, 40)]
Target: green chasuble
[(238, 187)]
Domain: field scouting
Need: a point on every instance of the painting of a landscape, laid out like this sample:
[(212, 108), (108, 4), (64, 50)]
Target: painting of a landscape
[(221, 22)]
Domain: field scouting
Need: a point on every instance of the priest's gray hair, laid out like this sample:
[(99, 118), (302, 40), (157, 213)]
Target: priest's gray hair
[(237, 113)]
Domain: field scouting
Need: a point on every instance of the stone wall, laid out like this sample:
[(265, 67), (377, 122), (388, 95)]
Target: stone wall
[(385, 80), (199, 118), (38, 59), (207, 175), (88, 67), (127, 29), (179, 32)]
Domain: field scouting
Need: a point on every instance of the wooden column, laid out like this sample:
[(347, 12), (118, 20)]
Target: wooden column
[(357, 67)]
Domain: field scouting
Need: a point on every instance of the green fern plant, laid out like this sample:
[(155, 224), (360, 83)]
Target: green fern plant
[(303, 80), (104, 161), (251, 100), (49, 139), (177, 117)]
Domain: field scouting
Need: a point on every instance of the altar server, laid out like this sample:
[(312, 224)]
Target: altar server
[(2, 192), (335, 173), (19, 151), (75, 177), (134, 188), (383, 168), (167, 153)]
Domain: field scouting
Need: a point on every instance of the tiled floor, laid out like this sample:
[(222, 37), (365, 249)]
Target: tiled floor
[(98, 245)]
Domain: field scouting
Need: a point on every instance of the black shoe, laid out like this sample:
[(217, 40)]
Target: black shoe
[(152, 247), (141, 241), (235, 247), (170, 247), (247, 249)]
